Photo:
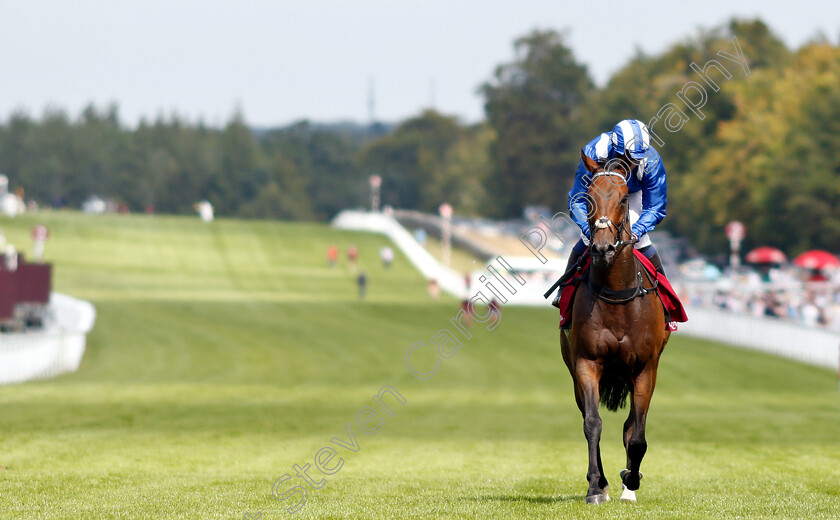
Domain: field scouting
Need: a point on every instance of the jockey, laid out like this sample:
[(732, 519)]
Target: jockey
[(628, 142)]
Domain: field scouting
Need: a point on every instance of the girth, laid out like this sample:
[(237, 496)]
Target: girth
[(625, 295)]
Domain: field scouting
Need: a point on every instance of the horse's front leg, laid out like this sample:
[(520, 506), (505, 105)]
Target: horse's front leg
[(634, 431), (588, 375)]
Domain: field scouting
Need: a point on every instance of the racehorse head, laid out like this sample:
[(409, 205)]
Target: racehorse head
[(608, 208)]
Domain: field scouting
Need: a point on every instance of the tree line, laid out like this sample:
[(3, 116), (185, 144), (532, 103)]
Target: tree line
[(766, 151), (299, 172)]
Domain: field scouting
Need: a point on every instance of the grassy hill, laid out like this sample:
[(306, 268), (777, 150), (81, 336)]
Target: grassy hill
[(224, 354)]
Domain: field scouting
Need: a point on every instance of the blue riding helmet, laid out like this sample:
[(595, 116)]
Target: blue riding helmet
[(631, 135)]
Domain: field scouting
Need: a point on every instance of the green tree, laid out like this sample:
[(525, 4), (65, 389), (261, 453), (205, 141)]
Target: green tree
[(282, 197), (325, 163), (238, 178), (531, 104), (413, 161), (776, 166)]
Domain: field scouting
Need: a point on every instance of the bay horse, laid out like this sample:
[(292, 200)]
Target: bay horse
[(618, 330)]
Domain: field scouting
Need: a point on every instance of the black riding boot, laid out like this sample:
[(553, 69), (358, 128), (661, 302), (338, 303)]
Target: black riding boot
[(573, 258), (657, 263)]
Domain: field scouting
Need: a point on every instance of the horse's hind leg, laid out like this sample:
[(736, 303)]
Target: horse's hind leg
[(588, 374), (634, 431)]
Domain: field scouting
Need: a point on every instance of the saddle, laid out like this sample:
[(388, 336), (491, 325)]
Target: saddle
[(570, 281)]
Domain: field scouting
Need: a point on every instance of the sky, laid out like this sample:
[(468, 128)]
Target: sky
[(282, 61)]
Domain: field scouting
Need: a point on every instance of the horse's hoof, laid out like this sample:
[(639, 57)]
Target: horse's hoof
[(628, 495), (597, 499)]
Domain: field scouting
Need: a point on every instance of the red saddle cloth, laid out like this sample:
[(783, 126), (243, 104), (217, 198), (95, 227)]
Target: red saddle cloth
[(667, 294)]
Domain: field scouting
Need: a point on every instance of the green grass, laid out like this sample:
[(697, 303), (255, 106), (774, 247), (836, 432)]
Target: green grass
[(460, 259), (225, 353)]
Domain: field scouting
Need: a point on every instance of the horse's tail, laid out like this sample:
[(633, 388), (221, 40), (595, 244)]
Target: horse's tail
[(614, 389)]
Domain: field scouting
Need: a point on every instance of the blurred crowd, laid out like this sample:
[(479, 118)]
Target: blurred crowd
[(810, 298)]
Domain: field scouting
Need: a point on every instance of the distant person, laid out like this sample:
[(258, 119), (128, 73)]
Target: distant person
[(466, 319), (40, 233), (361, 281), (757, 306), (387, 256), (420, 236), (205, 211), (834, 316), (332, 255), (434, 289), (352, 256), (816, 275), (11, 258), (810, 313)]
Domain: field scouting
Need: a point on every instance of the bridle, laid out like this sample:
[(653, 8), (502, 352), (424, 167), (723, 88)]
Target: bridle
[(620, 230), (625, 295), (602, 293)]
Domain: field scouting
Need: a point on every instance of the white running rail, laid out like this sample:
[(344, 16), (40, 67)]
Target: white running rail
[(53, 350), (807, 344)]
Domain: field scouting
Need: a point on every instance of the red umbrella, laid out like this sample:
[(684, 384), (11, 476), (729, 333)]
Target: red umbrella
[(816, 259), (765, 255)]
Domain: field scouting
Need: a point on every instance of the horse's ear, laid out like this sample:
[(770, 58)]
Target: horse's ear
[(588, 163)]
